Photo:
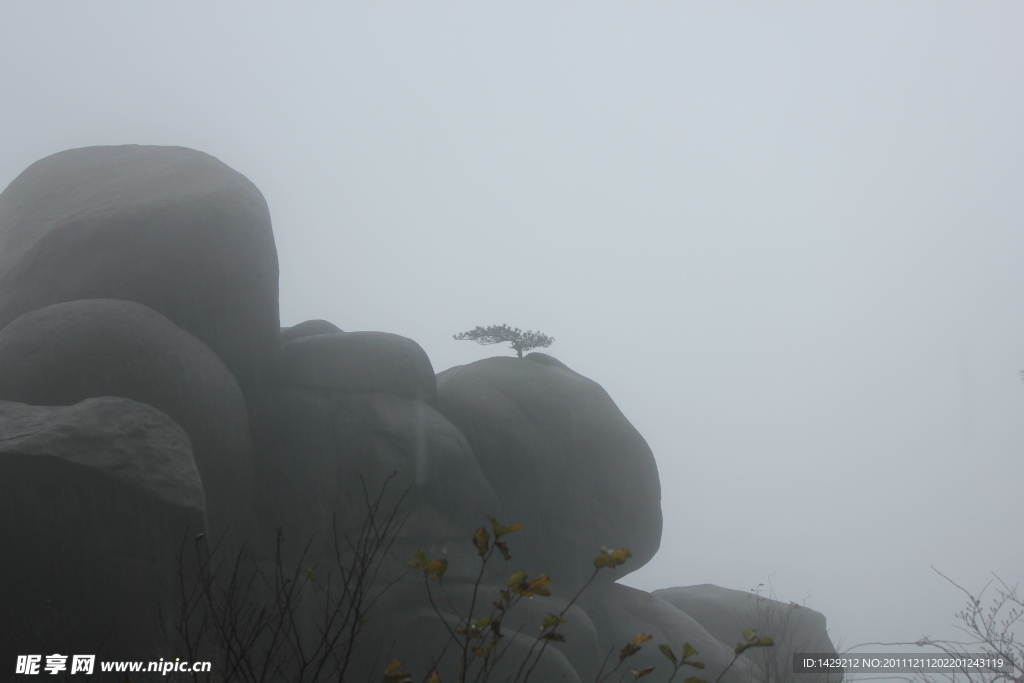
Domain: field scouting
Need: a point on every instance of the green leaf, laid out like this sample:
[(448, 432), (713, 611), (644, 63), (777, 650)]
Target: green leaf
[(688, 651), (667, 651), (482, 623), (516, 578)]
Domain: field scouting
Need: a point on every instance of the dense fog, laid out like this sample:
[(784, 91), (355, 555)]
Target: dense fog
[(786, 238)]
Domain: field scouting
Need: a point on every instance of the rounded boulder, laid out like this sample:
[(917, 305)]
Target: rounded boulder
[(357, 362), (168, 227), (563, 460), (69, 352)]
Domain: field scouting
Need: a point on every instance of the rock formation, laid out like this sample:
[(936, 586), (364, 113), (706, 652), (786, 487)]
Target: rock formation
[(157, 422)]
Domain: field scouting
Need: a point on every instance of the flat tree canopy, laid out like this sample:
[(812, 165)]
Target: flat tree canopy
[(497, 334)]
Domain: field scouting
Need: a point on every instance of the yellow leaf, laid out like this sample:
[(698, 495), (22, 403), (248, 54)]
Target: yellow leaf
[(434, 677), (516, 578), (620, 555), (395, 663), (436, 568), (641, 638), (500, 530), (642, 672), (628, 651), (551, 620), (481, 539)]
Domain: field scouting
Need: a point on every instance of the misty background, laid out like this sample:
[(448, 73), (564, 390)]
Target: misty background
[(785, 237)]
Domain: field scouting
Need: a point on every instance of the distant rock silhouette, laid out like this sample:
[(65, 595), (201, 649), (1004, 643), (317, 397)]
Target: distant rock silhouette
[(152, 405), (308, 329), (722, 611)]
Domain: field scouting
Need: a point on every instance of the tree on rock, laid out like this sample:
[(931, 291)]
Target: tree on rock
[(497, 334)]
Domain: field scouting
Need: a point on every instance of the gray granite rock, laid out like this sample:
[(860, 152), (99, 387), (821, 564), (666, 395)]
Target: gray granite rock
[(420, 636), (563, 460), (619, 613), (64, 353), (95, 501), (168, 227), (308, 329), (319, 449), (358, 362), (725, 612)]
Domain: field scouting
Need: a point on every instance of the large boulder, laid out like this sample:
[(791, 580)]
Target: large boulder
[(96, 500), (64, 353), (322, 454), (355, 362), (168, 227), (562, 458), (421, 635), (619, 613), (308, 328), (725, 613)]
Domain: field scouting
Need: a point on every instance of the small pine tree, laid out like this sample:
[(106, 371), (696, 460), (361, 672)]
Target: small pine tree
[(497, 334)]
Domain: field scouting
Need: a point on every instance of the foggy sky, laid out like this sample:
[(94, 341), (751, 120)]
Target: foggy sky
[(786, 238)]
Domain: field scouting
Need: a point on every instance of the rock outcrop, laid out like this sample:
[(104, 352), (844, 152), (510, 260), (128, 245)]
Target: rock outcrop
[(150, 401), (96, 500), (723, 612), (168, 227), (324, 454), (308, 329), (562, 458), (65, 353), (357, 362)]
